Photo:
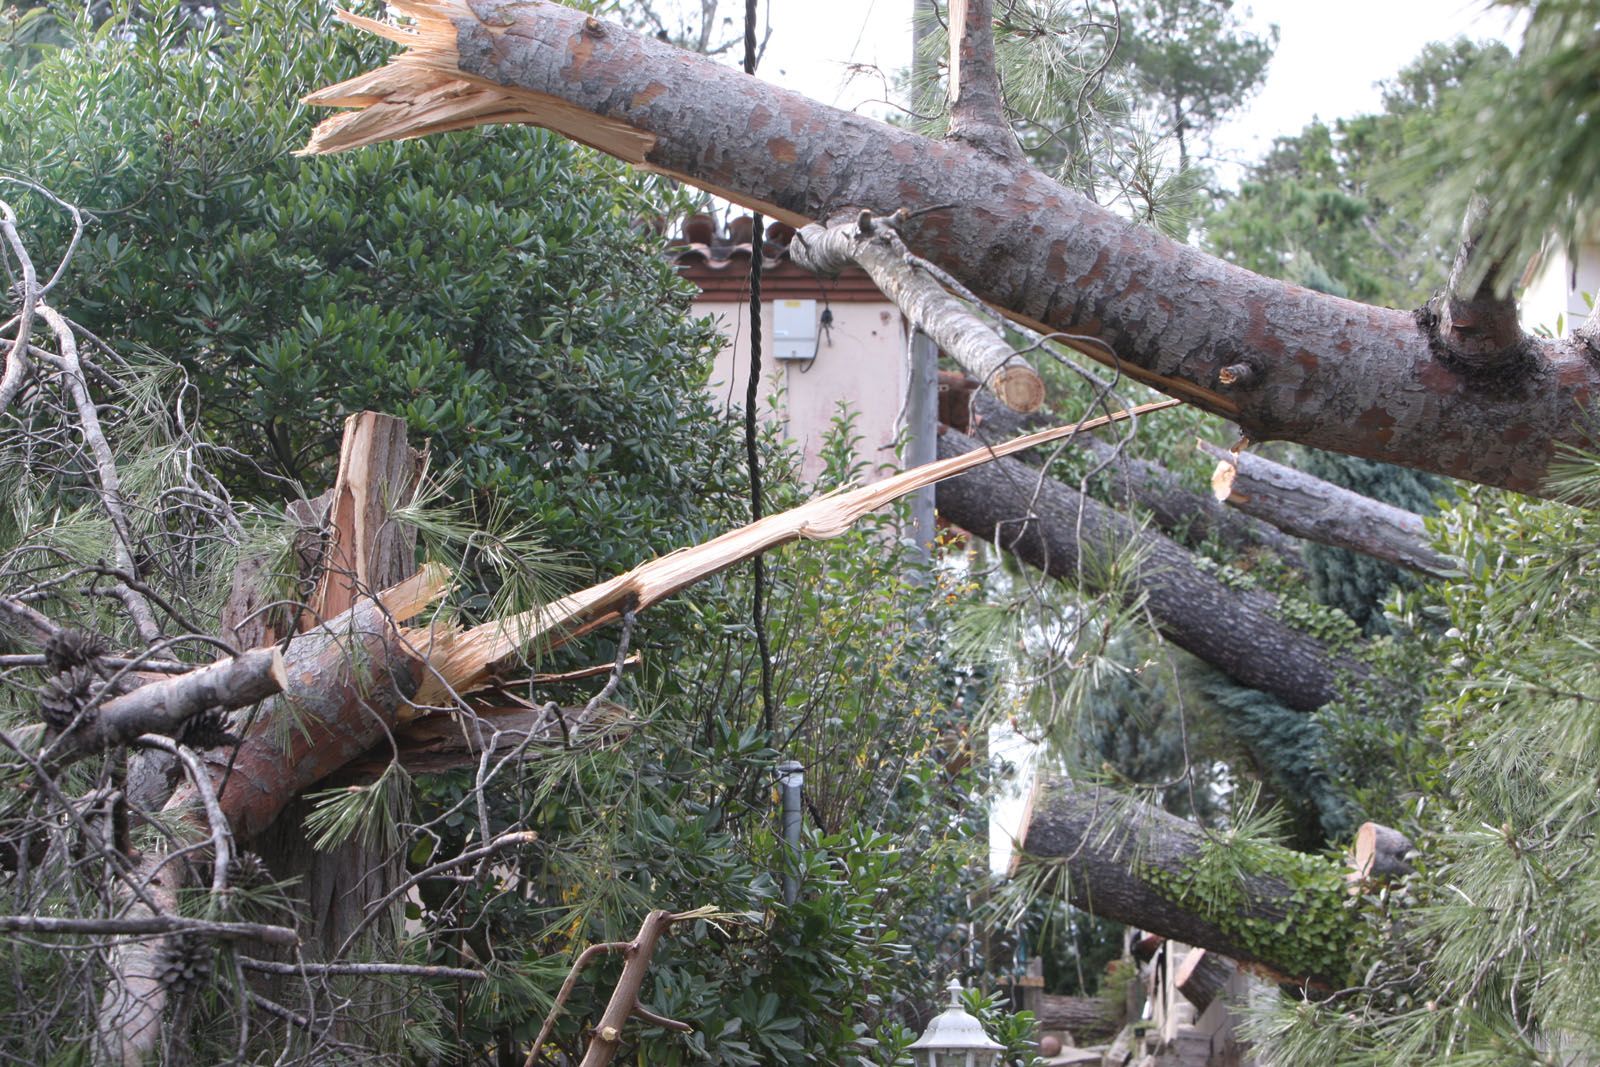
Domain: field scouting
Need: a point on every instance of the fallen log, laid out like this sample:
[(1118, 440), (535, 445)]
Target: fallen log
[(1087, 1019), (1132, 863), (1308, 507), (1186, 516), (1202, 976), (1052, 527), (1380, 854)]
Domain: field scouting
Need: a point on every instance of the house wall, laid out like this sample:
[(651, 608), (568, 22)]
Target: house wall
[(861, 361), (1555, 291)]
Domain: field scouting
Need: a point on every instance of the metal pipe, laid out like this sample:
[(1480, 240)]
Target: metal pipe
[(791, 779)]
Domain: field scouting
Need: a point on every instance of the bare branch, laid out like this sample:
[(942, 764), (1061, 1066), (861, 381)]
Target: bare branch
[(163, 707), (150, 925)]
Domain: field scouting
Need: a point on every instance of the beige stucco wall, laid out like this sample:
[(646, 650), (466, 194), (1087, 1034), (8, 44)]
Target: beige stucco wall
[(861, 360)]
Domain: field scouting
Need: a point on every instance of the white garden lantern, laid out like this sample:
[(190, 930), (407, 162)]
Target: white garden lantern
[(955, 1039)]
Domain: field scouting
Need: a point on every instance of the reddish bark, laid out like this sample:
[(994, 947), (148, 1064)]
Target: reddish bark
[(1317, 369)]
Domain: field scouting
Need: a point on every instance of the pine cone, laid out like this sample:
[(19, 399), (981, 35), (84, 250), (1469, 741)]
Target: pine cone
[(68, 648), (64, 696), (187, 964), (249, 871), (209, 729)]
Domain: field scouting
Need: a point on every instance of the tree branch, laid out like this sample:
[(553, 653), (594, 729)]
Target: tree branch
[(1324, 371), (874, 245), (1477, 322), (1052, 527), (1310, 508), (977, 106), (163, 707)]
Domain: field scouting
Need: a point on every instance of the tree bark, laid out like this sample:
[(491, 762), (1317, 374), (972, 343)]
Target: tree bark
[(962, 336), (1087, 1019), (1201, 976), (1188, 517), (1302, 366), (1310, 508), (1052, 527), (1124, 860), (164, 706), (359, 549)]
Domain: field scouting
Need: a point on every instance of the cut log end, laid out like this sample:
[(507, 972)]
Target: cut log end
[(1202, 976), (277, 672), (1222, 480), (1380, 854), (1020, 388)]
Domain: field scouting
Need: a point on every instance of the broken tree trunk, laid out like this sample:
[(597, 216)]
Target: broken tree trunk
[(360, 550), (1053, 528), (346, 679), (1280, 360), (1133, 863), (360, 678), (1310, 508)]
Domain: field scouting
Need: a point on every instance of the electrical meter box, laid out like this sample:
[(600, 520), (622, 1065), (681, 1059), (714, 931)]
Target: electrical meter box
[(794, 330)]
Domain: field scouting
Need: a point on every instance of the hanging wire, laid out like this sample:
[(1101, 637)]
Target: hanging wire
[(758, 599)]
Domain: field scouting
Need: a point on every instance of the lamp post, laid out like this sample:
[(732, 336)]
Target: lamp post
[(955, 1039)]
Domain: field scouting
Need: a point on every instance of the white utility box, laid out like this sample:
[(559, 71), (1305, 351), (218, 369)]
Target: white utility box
[(794, 330)]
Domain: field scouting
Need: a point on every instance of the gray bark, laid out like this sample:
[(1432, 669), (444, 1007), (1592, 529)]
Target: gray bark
[(1310, 508), (964, 337), (1052, 527), (163, 707), (1188, 517), (1115, 851), (1202, 975), (1087, 1019)]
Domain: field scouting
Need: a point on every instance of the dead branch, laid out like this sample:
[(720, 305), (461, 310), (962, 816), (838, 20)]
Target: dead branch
[(400, 970), (145, 926)]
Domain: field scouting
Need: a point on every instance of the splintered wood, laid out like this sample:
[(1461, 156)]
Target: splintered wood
[(463, 661), (423, 90)]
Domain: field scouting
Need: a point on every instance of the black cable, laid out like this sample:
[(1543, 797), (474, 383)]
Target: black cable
[(758, 599)]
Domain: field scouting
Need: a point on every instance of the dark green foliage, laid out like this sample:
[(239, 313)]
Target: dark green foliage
[(490, 287), (1289, 750), (495, 289), (1482, 956)]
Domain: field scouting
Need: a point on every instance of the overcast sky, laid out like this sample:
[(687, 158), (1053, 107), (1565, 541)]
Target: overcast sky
[(1329, 55)]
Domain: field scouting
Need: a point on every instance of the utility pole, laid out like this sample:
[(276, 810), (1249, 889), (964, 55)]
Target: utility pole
[(922, 386)]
